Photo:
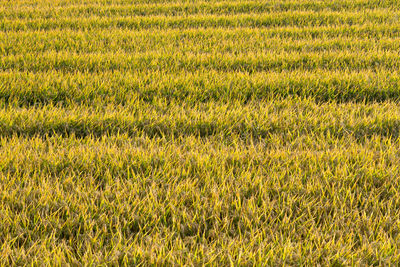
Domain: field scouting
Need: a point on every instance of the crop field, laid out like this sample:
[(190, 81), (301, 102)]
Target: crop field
[(211, 132)]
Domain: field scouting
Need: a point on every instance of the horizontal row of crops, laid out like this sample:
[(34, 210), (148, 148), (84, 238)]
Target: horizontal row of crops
[(25, 88), (279, 19)]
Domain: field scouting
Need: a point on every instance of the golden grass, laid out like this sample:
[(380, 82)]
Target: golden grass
[(199, 132)]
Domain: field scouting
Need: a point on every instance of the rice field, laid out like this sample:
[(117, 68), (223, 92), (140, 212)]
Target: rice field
[(212, 132)]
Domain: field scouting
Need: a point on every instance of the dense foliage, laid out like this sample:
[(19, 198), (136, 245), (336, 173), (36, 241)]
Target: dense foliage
[(199, 132)]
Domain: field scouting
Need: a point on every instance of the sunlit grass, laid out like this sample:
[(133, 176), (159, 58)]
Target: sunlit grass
[(199, 132)]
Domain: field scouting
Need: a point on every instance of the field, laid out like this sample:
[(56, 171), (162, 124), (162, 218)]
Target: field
[(213, 132)]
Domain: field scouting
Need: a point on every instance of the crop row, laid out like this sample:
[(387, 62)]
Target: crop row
[(27, 88), (279, 19), (188, 8), (258, 37), (283, 4), (122, 196), (151, 61), (287, 117), (196, 42)]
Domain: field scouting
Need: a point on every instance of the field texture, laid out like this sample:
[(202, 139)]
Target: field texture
[(199, 132)]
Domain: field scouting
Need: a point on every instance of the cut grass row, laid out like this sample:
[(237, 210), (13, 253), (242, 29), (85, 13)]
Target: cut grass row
[(121, 88), (279, 19)]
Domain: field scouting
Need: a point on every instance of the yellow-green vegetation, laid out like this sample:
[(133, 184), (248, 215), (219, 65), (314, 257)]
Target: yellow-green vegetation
[(199, 132)]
